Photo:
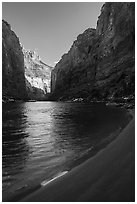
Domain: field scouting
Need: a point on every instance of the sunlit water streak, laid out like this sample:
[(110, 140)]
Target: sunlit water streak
[(41, 139)]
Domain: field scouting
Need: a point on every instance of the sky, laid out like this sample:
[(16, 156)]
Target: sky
[(50, 28)]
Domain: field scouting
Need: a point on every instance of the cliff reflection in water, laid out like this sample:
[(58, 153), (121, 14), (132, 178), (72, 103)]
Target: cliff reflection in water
[(15, 147), (43, 138)]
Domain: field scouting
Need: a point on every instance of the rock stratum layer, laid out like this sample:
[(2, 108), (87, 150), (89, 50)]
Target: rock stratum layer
[(13, 78), (101, 63), (37, 75)]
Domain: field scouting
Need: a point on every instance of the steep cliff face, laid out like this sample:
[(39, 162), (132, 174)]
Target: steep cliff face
[(115, 67), (37, 75), (13, 79), (72, 74), (100, 63)]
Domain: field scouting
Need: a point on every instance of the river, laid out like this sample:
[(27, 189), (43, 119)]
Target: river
[(41, 139)]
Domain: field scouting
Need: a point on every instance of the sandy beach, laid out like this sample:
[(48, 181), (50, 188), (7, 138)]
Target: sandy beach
[(109, 176)]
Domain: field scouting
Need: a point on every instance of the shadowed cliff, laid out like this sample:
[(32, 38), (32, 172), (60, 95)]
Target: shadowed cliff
[(13, 79), (100, 63)]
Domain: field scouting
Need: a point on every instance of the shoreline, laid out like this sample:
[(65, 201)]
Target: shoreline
[(86, 181)]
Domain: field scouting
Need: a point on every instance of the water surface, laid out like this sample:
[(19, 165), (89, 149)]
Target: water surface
[(41, 139)]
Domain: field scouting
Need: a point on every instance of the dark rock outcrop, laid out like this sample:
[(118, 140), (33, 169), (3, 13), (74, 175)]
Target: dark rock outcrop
[(100, 63), (37, 76), (13, 79)]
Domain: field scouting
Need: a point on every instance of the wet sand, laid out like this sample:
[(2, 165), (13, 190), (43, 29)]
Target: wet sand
[(109, 176)]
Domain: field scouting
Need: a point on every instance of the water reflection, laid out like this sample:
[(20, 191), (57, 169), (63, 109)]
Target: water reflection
[(14, 143), (78, 128), (43, 138), (15, 148)]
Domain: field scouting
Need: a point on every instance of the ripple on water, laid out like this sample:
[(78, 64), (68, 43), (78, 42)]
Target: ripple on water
[(42, 139)]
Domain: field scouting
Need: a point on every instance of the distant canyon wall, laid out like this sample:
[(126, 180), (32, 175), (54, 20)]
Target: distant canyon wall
[(101, 62), (37, 75)]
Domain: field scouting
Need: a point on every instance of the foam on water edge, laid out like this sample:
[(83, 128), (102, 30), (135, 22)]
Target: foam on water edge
[(46, 182)]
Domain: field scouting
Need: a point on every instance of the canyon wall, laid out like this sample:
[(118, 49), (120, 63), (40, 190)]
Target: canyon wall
[(24, 75), (37, 76), (101, 62), (13, 78)]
